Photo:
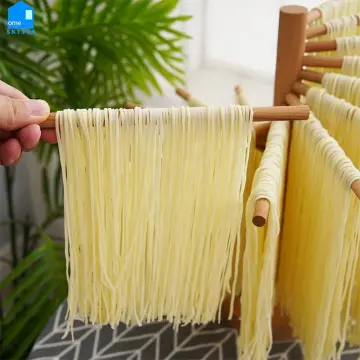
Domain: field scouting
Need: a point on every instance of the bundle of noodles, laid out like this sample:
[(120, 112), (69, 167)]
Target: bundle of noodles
[(317, 258), (260, 257), (254, 160), (334, 9), (343, 122), (153, 209), (343, 86)]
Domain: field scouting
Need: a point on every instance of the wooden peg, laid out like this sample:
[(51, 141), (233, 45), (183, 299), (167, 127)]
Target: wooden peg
[(312, 76), (183, 93), (130, 106), (323, 61), (319, 46), (314, 14), (292, 99), (261, 212), (300, 88), (316, 31)]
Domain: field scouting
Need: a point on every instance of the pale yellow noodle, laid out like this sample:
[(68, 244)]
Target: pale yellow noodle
[(260, 257), (316, 266), (153, 209)]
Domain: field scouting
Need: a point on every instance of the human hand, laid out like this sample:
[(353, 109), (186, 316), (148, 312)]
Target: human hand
[(19, 119)]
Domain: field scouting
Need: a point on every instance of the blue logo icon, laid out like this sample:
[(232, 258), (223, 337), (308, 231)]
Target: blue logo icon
[(20, 19)]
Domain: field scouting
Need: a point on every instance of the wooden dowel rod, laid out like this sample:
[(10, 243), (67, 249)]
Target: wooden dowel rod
[(355, 187), (130, 106), (183, 93), (261, 131), (270, 113), (300, 88), (318, 46), (323, 61), (316, 31), (314, 15), (312, 76), (293, 100), (261, 212)]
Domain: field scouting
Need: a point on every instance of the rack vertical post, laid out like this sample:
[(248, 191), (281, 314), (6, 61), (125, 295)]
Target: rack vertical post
[(290, 52)]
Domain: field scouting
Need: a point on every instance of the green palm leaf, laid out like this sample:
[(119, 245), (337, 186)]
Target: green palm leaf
[(38, 287)]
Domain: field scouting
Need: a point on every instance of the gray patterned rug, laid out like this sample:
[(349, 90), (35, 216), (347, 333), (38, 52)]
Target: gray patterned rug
[(155, 341)]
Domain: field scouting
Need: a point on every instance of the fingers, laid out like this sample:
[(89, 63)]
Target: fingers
[(12, 144), (10, 152), (11, 92), (29, 137), (16, 113), (19, 119), (48, 136)]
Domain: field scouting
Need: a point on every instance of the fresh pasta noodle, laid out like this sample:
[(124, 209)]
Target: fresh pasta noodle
[(334, 9), (348, 45), (260, 257), (193, 101), (317, 259), (343, 122), (148, 193), (343, 86), (347, 25), (351, 66), (240, 97), (253, 162)]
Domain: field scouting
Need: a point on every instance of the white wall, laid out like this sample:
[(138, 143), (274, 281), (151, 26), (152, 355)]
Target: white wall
[(243, 33), (194, 48), (235, 37)]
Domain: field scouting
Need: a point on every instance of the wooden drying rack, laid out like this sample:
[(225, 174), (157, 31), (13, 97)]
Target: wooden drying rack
[(291, 47)]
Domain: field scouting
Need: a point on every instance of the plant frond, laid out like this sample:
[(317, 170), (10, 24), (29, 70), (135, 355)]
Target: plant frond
[(38, 287)]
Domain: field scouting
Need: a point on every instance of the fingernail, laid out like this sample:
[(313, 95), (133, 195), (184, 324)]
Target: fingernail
[(37, 107)]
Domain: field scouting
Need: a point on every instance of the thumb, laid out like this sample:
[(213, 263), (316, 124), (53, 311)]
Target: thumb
[(17, 113)]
